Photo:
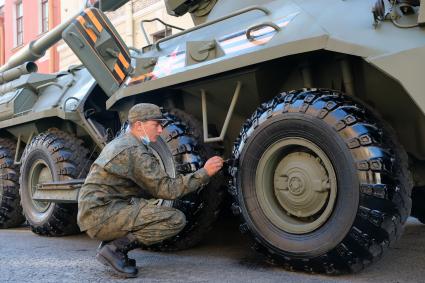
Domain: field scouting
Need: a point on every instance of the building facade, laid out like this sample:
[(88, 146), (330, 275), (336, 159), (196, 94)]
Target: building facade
[(22, 21), (126, 21), (2, 51)]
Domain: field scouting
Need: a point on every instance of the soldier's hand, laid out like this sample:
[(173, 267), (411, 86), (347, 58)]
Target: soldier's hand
[(213, 165)]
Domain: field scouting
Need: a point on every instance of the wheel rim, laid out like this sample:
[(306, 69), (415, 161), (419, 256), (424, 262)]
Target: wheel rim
[(296, 185), (39, 174)]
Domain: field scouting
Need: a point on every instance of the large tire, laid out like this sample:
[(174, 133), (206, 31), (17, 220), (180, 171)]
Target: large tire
[(10, 206), (321, 183), (184, 152), (51, 156)]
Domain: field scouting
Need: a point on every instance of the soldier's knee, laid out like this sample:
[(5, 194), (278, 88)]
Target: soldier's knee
[(178, 220)]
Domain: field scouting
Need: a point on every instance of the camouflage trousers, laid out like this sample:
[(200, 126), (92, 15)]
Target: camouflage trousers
[(151, 225)]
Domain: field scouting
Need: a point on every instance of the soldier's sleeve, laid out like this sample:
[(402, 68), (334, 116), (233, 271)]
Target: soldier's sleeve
[(146, 171)]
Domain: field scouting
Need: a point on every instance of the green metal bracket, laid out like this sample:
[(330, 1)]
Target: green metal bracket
[(18, 148), (60, 191), (228, 116)]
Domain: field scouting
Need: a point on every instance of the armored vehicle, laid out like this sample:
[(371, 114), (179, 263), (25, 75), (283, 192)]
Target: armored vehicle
[(317, 105)]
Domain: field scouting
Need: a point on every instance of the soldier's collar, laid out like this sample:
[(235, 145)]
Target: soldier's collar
[(136, 140)]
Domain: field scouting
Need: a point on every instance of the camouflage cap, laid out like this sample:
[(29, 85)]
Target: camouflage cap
[(145, 112)]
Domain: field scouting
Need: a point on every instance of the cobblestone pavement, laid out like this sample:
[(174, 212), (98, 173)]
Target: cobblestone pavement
[(224, 256)]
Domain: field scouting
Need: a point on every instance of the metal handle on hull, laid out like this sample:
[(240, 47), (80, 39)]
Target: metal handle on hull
[(142, 26), (256, 27), (237, 13)]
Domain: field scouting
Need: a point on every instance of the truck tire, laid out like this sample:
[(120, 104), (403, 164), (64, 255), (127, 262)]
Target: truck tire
[(51, 156), (10, 206), (184, 142), (321, 184)]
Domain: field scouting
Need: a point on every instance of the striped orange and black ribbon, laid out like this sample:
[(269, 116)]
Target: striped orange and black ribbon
[(91, 23)]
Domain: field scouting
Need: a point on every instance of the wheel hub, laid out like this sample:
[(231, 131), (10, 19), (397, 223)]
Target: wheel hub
[(40, 173), (301, 185), (296, 185), (45, 176)]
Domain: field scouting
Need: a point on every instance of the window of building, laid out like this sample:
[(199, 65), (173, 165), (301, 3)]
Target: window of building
[(161, 34), (19, 23), (44, 15)]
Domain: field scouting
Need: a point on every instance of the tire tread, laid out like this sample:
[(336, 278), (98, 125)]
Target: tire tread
[(10, 208)]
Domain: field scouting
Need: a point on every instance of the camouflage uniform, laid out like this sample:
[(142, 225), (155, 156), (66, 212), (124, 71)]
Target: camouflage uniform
[(111, 203)]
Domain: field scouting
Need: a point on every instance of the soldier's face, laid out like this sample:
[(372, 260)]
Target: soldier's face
[(151, 128)]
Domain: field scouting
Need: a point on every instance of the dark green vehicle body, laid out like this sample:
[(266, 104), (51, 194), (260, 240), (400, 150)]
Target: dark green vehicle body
[(318, 104)]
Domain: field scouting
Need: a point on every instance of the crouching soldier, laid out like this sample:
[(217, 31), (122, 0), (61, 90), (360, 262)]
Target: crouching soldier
[(110, 205)]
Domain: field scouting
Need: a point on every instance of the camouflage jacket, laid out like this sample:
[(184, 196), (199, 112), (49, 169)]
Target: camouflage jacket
[(123, 170)]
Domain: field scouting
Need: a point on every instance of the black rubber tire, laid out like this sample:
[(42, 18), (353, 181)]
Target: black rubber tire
[(184, 142), (67, 158), (418, 208), (368, 215), (10, 206)]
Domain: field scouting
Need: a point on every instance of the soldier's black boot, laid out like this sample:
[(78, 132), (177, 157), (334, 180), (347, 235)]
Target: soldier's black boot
[(130, 261), (114, 254)]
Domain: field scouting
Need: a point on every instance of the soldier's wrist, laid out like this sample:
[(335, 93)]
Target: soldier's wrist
[(202, 174)]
